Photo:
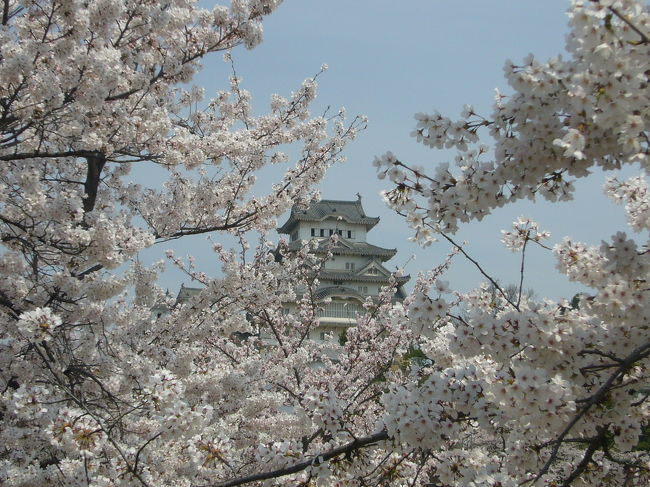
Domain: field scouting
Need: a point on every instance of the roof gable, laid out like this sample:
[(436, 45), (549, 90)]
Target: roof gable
[(374, 268)]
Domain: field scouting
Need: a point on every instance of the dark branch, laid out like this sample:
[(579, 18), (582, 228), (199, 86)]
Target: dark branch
[(44, 155), (93, 174), (298, 467), (644, 38)]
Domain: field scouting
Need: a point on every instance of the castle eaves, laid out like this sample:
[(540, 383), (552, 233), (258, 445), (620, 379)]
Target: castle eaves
[(347, 247), (340, 275)]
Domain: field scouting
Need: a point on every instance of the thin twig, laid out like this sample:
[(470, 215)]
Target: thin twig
[(480, 269), (521, 272)]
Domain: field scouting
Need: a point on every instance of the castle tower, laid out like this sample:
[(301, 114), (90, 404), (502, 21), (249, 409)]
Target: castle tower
[(356, 269)]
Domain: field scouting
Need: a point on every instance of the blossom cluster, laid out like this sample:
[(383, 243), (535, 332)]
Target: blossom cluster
[(525, 230), (537, 390), (564, 116)]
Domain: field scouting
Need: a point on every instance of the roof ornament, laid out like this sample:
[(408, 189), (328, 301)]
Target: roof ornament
[(358, 197)]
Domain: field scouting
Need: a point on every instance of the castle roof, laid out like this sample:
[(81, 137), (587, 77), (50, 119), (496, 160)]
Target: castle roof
[(341, 275), (349, 211), (185, 293), (350, 247)]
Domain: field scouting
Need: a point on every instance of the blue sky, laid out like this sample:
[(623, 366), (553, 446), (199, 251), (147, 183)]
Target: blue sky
[(389, 60)]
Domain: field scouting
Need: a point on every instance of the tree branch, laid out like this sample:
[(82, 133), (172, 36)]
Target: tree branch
[(20, 156), (521, 272), (298, 467), (644, 38), (95, 165)]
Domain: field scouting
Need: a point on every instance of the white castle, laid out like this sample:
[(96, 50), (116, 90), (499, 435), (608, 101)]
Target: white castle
[(354, 272), (356, 269)]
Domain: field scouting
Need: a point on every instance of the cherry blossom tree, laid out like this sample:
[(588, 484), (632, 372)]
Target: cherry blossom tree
[(95, 391), (527, 392)]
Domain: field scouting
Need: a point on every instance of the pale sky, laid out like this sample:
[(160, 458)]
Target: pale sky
[(388, 60)]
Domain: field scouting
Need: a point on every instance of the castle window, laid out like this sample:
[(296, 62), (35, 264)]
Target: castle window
[(322, 232), (331, 232), (363, 289), (313, 232), (350, 234), (349, 266)]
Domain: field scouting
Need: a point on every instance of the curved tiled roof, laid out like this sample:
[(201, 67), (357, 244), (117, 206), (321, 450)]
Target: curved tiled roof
[(350, 211), (185, 293), (349, 247), (331, 275)]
